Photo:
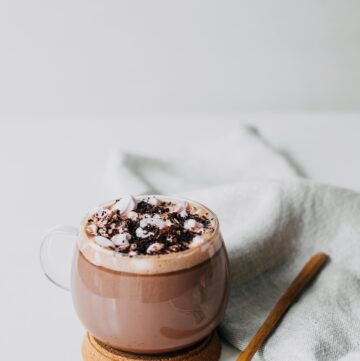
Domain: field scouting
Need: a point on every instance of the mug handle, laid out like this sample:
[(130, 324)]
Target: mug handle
[(47, 260)]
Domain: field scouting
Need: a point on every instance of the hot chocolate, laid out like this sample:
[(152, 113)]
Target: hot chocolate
[(150, 274)]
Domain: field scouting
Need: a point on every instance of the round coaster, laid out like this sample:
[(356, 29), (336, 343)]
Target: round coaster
[(206, 350)]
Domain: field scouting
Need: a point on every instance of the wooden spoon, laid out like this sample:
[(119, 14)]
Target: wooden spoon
[(309, 271)]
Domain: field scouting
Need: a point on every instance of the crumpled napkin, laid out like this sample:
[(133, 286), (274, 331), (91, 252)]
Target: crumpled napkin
[(272, 221)]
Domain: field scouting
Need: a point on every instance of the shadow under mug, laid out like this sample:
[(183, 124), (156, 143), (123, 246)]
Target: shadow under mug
[(143, 312)]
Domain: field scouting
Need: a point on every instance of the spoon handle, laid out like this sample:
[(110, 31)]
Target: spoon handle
[(308, 272)]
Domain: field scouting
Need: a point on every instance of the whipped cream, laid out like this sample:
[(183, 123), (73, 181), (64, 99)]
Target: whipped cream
[(155, 236), (125, 204), (149, 225)]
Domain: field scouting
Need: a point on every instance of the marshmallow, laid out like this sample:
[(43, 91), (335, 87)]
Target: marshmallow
[(103, 242), (102, 213), (91, 229), (142, 233), (196, 241), (153, 201), (181, 206), (153, 221), (125, 204), (192, 225), (154, 248), (121, 240), (132, 215), (183, 214)]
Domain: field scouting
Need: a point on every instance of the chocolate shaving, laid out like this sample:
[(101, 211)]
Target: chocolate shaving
[(171, 236)]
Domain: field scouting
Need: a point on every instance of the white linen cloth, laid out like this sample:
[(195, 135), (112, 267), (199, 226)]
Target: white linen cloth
[(272, 222)]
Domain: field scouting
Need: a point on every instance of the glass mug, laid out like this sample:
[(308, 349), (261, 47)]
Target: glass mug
[(150, 304)]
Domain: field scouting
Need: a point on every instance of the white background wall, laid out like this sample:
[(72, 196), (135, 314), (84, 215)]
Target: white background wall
[(116, 57)]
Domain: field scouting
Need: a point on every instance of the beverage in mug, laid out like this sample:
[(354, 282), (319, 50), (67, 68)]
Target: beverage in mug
[(149, 274)]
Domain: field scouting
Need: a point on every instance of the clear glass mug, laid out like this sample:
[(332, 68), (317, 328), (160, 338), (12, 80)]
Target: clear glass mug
[(150, 304)]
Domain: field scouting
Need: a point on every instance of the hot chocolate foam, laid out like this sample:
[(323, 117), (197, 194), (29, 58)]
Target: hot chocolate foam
[(149, 235)]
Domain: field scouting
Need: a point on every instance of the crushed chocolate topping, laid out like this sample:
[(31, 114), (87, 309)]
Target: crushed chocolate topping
[(149, 226)]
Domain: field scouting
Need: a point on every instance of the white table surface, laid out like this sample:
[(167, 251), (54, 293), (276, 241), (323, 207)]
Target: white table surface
[(51, 172)]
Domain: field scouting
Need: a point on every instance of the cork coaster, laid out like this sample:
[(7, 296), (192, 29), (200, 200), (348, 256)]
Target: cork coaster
[(206, 350)]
